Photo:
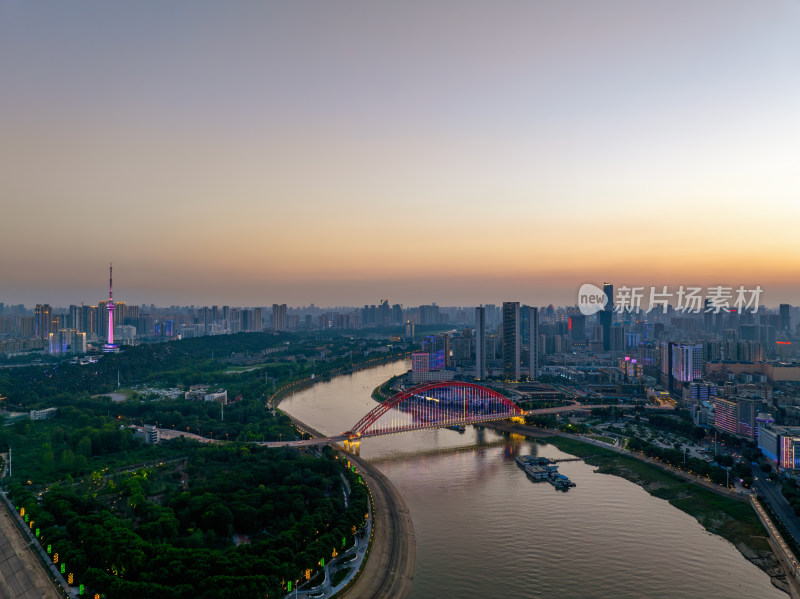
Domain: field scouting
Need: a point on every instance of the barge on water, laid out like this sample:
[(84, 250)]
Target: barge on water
[(539, 469)]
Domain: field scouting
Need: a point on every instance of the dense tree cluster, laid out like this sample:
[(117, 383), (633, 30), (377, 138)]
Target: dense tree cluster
[(676, 425), (129, 527), (167, 532)]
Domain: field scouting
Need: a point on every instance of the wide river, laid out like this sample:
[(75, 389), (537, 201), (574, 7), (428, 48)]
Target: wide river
[(485, 530)]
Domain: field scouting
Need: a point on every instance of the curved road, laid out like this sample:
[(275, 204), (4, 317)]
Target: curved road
[(389, 571)]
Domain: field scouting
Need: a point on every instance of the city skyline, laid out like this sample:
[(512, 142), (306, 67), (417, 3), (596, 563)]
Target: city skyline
[(455, 153)]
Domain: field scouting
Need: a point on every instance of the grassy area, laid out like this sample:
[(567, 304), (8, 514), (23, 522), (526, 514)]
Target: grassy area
[(603, 439), (724, 516), (340, 576)]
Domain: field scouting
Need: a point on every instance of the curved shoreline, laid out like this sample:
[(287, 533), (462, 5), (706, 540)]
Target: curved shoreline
[(389, 569), (783, 579)]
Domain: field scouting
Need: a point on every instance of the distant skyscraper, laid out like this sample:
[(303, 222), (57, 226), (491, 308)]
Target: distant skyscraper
[(480, 343), (511, 341), (533, 343), (606, 316), (110, 347), (279, 320), (43, 321), (608, 289), (785, 318)]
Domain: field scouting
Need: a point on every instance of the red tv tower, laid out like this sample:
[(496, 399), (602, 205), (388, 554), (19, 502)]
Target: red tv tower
[(110, 346)]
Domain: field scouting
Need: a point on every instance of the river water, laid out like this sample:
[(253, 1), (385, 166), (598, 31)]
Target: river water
[(485, 530)]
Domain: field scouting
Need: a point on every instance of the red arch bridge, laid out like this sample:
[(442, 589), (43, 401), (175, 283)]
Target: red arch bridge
[(432, 405)]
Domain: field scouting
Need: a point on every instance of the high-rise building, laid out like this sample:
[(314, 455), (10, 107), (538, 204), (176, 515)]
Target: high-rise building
[(533, 343), (786, 322), (76, 317), (606, 316), (608, 289), (43, 321), (256, 321), (120, 312), (511, 341), (687, 362), (480, 343), (279, 320), (576, 325)]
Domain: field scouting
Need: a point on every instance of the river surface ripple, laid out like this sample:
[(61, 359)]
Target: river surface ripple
[(485, 530)]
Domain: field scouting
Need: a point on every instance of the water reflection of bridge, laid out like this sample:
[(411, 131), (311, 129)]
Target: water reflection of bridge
[(435, 405)]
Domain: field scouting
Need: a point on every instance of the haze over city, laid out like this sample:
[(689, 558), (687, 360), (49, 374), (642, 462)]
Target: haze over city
[(345, 152)]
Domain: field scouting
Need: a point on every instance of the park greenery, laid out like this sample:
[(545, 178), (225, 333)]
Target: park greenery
[(168, 530), (161, 520)]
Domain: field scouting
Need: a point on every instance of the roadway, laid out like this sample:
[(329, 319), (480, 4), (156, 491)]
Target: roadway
[(771, 492), (389, 571), (21, 575)]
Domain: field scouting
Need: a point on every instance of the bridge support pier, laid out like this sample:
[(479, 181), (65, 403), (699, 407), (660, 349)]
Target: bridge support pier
[(352, 446)]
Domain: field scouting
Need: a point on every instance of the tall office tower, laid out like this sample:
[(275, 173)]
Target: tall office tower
[(608, 289), (110, 347), (279, 320), (511, 341), (480, 343), (606, 316), (43, 321), (687, 362), (533, 343), (708, 316), (786, 322)]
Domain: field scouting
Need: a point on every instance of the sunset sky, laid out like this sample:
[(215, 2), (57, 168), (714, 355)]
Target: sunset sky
[(342, 152)]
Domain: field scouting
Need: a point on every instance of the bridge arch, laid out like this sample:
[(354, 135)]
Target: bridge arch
[(432, 405)]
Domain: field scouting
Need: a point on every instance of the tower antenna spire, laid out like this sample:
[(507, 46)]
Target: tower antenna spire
[(110, 347)]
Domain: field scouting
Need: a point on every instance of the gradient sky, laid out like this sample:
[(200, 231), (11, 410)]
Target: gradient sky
[(341, 152)]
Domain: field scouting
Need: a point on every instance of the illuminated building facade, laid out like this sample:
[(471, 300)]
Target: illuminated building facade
[(687, 362), (725, 415), (43, 321), (780, 444), (738, 416)]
